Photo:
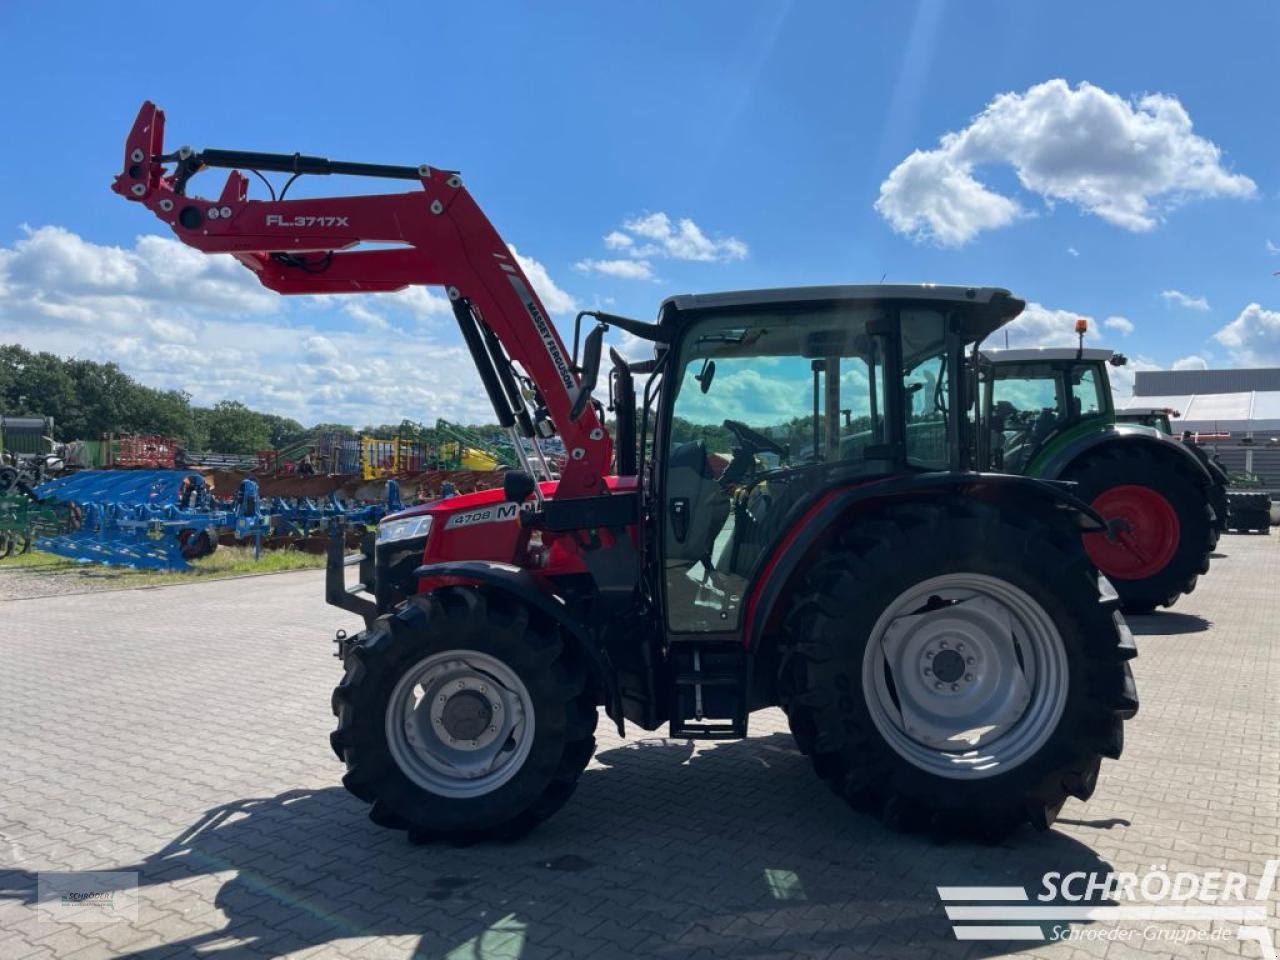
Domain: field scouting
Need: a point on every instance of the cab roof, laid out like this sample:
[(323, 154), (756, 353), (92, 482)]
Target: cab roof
[(981, 309), (1033, 354)]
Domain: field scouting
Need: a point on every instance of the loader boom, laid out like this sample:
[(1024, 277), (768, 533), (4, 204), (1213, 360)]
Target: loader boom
[(442, 238)]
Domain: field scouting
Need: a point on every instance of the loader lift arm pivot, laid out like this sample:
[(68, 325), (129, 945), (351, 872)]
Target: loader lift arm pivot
[(442, 238)]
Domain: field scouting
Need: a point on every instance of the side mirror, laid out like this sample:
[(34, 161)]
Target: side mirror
[(590, 369)]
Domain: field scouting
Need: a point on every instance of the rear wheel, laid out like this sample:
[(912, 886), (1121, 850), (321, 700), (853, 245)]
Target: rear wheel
[(1164, 532), (953, 689), (463, 716)]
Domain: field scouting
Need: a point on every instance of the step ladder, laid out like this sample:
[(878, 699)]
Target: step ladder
[(709, 689)]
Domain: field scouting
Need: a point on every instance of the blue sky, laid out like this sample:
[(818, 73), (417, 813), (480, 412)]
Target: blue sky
[(1142, 186)]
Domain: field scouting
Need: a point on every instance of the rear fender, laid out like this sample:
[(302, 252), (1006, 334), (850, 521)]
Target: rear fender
[(834, 510), (535, 592), (1131, 435)]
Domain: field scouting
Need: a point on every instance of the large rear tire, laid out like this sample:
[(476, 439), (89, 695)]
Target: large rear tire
[(1168, 533), (463, 716), (952, 666)]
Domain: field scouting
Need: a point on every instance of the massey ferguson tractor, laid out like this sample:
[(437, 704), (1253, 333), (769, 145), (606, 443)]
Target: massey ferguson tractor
[(943, 646), (1048, 413)]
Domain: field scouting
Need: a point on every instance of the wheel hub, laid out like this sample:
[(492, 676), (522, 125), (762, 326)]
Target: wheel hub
[(1145, 532), (466, 715), (948, 666), (459, 723)]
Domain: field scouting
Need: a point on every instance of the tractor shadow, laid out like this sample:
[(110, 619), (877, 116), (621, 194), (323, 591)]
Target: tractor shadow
[(736, 849), (1167, 623)]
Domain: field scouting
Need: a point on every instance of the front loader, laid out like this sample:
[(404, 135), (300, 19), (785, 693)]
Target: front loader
[(789, 516)]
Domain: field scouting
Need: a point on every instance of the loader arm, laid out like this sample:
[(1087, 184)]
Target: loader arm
[(442, 238)]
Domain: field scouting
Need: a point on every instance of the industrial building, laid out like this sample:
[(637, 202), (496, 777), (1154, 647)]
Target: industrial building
[(1234, 412)]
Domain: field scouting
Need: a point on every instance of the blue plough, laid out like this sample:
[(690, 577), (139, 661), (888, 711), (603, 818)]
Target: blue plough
[(161, 519)]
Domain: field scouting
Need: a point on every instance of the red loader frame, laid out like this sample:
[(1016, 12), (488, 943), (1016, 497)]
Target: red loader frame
[(305, 246)]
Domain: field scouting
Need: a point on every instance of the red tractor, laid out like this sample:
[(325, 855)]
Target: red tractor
[(788, 517)]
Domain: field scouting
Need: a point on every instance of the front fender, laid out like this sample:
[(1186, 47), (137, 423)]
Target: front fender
[(1060, 459), (535, 591)]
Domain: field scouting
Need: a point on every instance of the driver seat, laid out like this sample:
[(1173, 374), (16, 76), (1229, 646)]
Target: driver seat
[(697, 506)]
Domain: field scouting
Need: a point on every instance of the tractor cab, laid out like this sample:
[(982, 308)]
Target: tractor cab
[(772, 398), (1033, 401), (1158, 418)]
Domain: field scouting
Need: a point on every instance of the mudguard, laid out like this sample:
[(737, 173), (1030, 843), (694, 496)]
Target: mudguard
[(1061, 459), (821, 517), (537, 593)]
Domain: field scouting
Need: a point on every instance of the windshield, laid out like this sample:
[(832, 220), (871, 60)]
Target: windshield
[(767, 405), (783, 388)]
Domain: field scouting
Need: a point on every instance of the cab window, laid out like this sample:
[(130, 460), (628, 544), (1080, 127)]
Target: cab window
[(1026, 407)]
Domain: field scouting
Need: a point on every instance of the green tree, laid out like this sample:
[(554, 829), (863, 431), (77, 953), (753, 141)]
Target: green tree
[(231, 427)]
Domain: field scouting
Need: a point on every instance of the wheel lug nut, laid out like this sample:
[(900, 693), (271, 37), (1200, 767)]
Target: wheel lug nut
[(968, 659), (937, 686), (928, 672), (968, 678), (928, 654), (959, 646), (942, 644), (955, 686)]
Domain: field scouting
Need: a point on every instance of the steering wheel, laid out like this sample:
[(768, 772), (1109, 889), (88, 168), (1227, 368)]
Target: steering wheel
[(753, 440)]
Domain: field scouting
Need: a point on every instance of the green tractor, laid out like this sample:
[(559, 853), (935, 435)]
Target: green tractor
[(1048, 413)]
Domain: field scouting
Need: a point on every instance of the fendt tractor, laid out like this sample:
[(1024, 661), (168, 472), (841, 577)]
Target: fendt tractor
[(1160, 418), (1047, 412), (944, 649)]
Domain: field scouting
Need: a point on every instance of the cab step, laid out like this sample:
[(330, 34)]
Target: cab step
[(709, 685)]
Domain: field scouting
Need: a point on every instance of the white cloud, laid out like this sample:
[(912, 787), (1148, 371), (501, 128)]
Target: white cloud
[(552, 297), (1191, 362), (1185, 300), (1273, 248), (1126, 161), (682, 241), (1121, 325), (1040, 326), (1253, 337), (657, 236), (177, 319), (627, 269), (1073, 251)]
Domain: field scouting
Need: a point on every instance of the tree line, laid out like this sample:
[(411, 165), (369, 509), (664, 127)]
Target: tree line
[(87, 400)]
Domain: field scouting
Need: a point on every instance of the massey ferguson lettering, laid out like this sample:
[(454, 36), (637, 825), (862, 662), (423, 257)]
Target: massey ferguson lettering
[(495, 514), (548, 337), (275, 220)]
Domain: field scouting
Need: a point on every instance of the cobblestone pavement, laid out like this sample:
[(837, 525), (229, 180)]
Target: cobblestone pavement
[(182, 733)]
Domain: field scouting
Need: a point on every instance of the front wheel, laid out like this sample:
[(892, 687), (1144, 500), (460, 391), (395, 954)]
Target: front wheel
[(463, 716), (954, 666)]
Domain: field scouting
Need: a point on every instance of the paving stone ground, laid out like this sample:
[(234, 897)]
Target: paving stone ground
[(181, 733)]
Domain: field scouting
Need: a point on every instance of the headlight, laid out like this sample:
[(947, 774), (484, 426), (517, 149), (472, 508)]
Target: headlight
[(407, 529)]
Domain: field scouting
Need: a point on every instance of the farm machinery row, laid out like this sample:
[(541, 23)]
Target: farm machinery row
[(162, 519)]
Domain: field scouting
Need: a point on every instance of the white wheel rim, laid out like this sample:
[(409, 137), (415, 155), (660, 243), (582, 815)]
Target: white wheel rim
[(460, 723), (965, 676)]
